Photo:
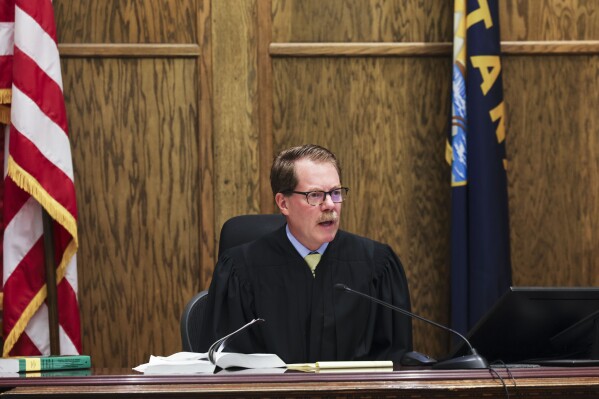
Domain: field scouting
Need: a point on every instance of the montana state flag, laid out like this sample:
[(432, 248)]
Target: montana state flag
[(480, 256)]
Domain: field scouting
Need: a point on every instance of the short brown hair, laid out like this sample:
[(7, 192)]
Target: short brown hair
[(282, 172)]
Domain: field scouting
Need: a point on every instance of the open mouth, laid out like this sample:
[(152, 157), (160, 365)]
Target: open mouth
[(328, 219)]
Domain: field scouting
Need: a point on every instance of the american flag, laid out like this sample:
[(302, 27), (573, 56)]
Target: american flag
[(38, 173)]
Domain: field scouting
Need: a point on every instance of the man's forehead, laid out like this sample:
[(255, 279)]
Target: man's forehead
[(317, 175)]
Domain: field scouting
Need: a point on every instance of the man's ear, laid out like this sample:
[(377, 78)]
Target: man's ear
[(281, 201)]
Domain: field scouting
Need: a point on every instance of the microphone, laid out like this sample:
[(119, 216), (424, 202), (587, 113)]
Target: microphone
[(471, 361)]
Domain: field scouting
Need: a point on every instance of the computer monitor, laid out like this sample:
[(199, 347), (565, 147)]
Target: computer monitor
[(523, 325)]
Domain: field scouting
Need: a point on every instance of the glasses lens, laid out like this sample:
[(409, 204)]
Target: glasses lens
[(337, 195), (315, 197)]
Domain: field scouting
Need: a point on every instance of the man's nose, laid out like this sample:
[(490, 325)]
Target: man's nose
[(328, 202)]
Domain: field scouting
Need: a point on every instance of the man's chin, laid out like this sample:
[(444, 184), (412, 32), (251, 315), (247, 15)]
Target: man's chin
[(329, 234)]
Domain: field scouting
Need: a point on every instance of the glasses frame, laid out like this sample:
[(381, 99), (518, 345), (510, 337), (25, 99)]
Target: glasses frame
[(329, 193)]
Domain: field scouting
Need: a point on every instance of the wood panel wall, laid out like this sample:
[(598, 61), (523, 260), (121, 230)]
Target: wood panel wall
[(553, 142), (134, 122), (176, 109)]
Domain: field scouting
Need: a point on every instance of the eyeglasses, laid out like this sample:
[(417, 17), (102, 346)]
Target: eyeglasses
[(316, 198)]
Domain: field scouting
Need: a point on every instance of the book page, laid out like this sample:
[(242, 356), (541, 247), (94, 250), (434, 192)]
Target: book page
[(251, 361), (178, 363)]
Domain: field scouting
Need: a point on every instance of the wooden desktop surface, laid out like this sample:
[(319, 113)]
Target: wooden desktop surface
[(546, 382)]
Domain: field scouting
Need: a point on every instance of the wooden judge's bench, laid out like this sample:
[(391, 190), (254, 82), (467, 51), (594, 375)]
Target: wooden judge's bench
[(539, 382)]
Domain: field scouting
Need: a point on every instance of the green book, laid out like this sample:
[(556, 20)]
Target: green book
[(55, 373), (44, 363)]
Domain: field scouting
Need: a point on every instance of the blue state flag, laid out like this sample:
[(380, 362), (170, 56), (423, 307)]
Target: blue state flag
[(480, 255)]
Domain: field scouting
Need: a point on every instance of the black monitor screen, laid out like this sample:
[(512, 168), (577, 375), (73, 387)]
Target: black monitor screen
[(524, 323)]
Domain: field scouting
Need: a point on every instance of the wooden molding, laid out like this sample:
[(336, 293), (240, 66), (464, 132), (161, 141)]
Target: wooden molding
[(359, 49), (426, 49), (554, 47), (125, 50), (101, 50)]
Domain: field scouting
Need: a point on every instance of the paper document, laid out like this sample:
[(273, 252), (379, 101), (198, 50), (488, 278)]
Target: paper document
[(366, 364), (178, 363)]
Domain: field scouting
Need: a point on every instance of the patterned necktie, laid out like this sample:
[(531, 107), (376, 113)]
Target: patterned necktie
[(312, 260)]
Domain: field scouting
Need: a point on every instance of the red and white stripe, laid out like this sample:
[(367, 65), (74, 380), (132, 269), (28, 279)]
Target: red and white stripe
[(38, 173), (7, 32)]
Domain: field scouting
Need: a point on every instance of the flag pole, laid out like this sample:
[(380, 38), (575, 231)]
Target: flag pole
[(52, 297)]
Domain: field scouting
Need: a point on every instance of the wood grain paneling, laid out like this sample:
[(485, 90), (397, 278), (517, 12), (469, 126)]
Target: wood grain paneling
[(207, 244), (549, 20), (126, 21), (135, 158), (386, 121), (264, 23), (362, 21), (236, 118), (553, 174)]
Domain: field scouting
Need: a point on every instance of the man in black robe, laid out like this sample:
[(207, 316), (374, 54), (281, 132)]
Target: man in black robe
[(307, 320)]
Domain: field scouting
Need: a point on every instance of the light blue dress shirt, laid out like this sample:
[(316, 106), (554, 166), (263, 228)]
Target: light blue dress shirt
[(303, 251)]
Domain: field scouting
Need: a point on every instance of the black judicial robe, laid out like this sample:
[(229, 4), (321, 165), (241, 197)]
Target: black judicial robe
[(306, 319)]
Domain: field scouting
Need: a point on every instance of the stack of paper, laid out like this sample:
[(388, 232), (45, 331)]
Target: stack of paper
[(178, 363)]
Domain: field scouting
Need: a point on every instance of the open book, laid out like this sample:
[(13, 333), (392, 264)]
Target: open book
[(192, 363)]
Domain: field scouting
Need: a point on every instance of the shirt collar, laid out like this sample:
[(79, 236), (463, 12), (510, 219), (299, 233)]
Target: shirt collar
[(301, 249)]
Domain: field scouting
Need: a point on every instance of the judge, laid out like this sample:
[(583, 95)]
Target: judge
[(287, 277)]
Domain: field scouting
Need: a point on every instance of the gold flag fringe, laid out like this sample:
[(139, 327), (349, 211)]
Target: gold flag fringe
[(5, 114), (19, 327), (26, 182), (5, 96), (448, 153), (59, 213), (37, 301)]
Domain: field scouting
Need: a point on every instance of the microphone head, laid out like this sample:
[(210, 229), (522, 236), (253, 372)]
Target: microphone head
[(341, 287)]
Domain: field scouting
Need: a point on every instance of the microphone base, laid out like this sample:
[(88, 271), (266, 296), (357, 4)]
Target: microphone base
[(463, 362)]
